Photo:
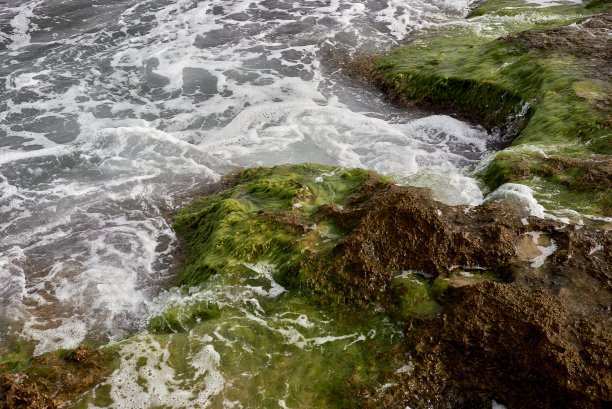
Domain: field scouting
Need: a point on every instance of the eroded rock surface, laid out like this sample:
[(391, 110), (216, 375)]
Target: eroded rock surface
[(396, 228), (588, 39), (516, 344), (542, 339)]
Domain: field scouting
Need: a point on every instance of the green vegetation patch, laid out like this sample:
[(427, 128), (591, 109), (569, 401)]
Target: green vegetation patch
[(549, 96), (179, 319), (16, 355), (518, 7), (262, 218), (419, 296)]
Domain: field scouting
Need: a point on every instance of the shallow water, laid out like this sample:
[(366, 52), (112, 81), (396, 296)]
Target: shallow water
[(111, 111), (267, 348)]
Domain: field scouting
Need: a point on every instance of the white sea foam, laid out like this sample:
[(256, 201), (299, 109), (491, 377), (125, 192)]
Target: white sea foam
[(496, 405), (545, 251), (146, 378), (599, 247), (402, 18), (521, 194), (408, 368), (111, 124), (21, 25)]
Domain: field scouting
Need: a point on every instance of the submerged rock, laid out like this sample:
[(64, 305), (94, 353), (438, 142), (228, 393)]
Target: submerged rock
[(54, 379)]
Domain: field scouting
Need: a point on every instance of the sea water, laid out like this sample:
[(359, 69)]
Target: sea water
[(112, 113)]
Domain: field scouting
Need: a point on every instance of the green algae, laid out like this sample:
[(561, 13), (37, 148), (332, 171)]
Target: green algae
[(498, 82), (259, 268), (238, 225), (16, 355), (54, 378), (102, 396), (181, 319), (547, 100), (280, 348), (517, 7), (598, 4), (237, 335), (556, 196), (232, 324), (419, 296)]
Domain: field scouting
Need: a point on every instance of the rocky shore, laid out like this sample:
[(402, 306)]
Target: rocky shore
[(493, 303), (545, 90)]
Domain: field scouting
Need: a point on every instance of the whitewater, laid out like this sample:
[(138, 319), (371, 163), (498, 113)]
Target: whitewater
[(115, 113)]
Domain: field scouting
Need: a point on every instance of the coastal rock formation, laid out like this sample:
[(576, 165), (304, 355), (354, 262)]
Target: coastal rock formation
[(545, 91), (490, 303), (585, 40), (516, 344), (495, 304), (537, 336)]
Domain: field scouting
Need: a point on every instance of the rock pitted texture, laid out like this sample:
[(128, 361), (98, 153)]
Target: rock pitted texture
[(543, 339)]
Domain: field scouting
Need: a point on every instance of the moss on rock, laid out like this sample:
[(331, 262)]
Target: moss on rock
[(261, 218), (51, 380), (545, 90)]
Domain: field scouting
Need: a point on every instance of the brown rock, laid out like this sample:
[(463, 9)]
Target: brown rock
[(541, 340), (588, 39), (51, 380), (396, 228), (512, 343)]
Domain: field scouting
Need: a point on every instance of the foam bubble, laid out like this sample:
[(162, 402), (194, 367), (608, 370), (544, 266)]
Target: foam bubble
[(147, 377), (521, 194)]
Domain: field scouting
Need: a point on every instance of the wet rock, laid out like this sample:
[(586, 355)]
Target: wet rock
[(396, 228), (516, 344), (53, 379), (541, 340), (588, 39), (593, 173), (545, 87), (540, 337)]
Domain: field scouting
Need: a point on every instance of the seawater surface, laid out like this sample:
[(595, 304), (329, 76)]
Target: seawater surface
[(112, 111)]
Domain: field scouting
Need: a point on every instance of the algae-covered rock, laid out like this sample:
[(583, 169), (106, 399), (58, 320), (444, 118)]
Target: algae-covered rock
[(261, 218), (536, 338), (545, 91), (339, 235), (493, 304), (51, 380)]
